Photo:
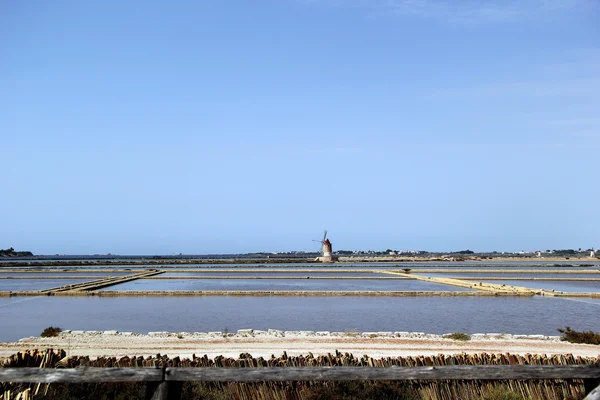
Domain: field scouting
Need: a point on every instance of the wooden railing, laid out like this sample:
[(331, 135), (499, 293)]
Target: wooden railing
[(166, 383)]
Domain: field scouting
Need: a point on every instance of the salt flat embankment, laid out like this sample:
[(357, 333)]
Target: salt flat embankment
[(265, 343)]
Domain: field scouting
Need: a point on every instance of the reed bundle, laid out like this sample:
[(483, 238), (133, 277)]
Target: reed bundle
[(552, 389)]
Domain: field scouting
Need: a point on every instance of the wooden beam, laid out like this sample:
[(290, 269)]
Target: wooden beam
[(459, 372), (455, 372), (80, 375)]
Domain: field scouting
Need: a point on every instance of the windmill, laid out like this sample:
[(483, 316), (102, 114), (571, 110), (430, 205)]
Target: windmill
[(326, 249)]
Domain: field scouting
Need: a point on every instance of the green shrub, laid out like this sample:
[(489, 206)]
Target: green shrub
[(361, 390), (501, 393), (96, 391), (51, 331), (458, 336), (351, 390), (587, 337)]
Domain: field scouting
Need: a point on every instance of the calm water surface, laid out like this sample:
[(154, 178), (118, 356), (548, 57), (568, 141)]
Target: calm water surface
[(28, 316), (40, 284), (285, 274), (283, 284), (34, 275)]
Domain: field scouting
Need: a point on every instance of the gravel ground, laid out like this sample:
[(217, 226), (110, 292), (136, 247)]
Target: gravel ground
[(259, 343)]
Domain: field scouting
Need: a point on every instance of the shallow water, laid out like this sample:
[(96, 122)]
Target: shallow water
[(282, 274), (34, 275), (28, 316), (283, 284), (8, 285)]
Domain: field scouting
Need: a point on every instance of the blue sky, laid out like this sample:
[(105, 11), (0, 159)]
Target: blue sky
[(155, 127)]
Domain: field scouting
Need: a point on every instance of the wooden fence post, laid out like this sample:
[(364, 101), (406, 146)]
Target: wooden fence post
[(592, 389), (163, 390)]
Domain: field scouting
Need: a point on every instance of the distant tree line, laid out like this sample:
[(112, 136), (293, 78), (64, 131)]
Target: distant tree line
[(559, 253), (567, 252), (10, 252), (464, 252)]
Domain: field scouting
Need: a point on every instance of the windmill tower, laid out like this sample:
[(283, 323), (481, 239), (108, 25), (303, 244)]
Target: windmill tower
[(326, 250)]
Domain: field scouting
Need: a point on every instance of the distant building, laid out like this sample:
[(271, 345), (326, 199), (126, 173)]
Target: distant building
[(326, 250)]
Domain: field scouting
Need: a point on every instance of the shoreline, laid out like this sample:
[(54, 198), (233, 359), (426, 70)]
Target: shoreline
[(309, 269), (285, 293), (446, 258), (274, 342)]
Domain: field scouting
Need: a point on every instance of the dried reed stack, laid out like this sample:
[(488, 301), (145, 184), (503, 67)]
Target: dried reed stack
[(34, 358)]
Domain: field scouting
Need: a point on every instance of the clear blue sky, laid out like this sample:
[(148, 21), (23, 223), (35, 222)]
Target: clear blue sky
[(159, 127)]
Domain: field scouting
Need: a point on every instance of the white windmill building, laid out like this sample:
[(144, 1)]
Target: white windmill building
[(326, 250)]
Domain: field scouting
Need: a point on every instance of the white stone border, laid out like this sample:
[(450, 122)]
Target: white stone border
[(275, 333)]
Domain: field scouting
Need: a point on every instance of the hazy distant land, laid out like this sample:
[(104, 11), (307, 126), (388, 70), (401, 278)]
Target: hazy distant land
[(10, 252), (299, 257)]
